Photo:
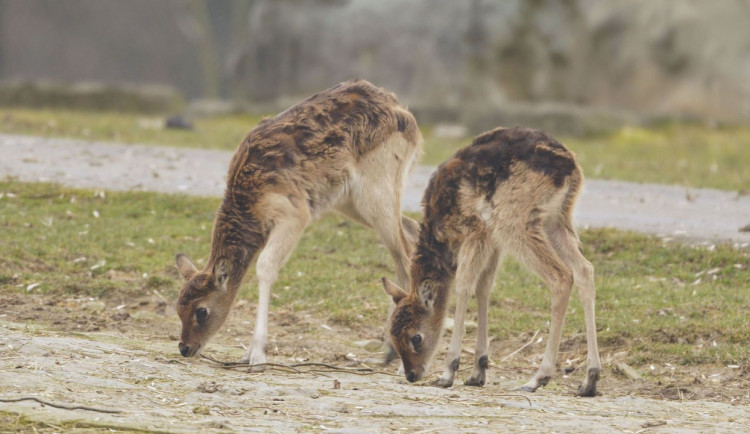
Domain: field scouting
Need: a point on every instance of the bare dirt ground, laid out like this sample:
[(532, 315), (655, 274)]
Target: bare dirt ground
[(124, 357), (121, 355)]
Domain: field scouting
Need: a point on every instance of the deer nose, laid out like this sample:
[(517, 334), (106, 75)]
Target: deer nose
[(412, 376), (184, 349)]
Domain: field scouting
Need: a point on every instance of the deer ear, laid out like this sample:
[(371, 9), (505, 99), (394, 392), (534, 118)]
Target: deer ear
[(221, 272), (185, 266), (393, 290), (427, 293)]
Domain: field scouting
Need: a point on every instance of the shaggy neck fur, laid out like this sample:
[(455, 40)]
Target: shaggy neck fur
[(235, 241), (432, 272)]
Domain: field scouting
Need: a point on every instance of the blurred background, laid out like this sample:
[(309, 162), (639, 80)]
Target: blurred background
[(661, 86), (645, 91), (571, 65)]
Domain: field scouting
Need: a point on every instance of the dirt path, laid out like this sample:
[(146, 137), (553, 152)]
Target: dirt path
[(131, 365), (123, 356), (703, 215), (156, 393)]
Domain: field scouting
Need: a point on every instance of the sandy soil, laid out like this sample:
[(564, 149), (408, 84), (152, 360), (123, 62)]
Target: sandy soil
[(124, 357), (122, 354)]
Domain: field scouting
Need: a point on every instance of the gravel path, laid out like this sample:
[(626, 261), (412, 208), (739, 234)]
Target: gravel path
[(702, 215)]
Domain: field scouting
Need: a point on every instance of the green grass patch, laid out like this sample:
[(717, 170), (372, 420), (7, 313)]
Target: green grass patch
[(222, 132), (687, 154), (92, 243), (17, 423), (665, 303)]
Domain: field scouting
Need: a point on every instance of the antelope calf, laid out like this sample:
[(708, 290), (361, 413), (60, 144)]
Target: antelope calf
[(510, 191), (348, 149)]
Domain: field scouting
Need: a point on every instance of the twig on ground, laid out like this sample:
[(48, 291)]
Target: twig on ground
[(277, 366), (328, 368), (222, 363), (64, 407), (53, 426), (627, 371), (503, 395), (160, 296), (531, 341), (425, 431), (230, 365), (512, 395)]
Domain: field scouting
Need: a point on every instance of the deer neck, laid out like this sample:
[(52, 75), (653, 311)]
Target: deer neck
[(234, 244), (434, 264)]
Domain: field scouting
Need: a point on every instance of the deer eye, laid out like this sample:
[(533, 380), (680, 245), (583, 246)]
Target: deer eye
[(201, 314), (416, 340)]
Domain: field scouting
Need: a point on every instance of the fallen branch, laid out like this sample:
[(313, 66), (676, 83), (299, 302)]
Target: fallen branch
[(430, 430), (294, 368), (231, 365), (627, 371), (224, 363), (329, 366), (512, 395), (531, 341), (64, 407), (334, 368)]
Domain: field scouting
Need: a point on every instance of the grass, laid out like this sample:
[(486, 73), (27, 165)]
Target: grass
[(223, 132), (686, 154), (664, 303), (11, 422)]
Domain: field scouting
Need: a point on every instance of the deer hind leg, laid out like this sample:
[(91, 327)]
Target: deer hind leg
[(388, 227), (378, 205), (535, 251), (375, 198), (281, 242), (381, 225), (472, 261), (380, 210), (565, 240), (411, 227), (481, 359)]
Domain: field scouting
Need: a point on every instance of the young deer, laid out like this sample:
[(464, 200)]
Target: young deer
[(349, 149), (510, 191)]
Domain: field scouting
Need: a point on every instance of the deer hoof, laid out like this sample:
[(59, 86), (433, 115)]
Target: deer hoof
[(588, 388), (535, 383), (444, 383), (257, 362), (477, 381)]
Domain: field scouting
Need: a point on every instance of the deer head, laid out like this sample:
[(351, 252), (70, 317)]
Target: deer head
[(203, 304), (416, 326)]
